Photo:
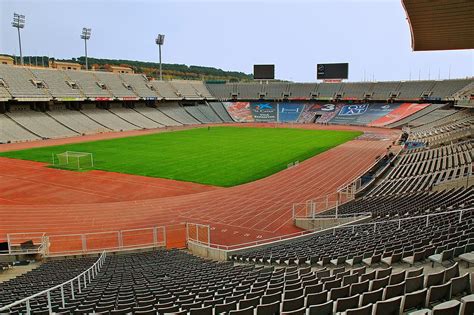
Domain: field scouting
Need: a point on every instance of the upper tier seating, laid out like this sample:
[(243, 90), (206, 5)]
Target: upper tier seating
[(221, 91), (185, 89), (249, 91), (22, 85), (115, 85), (276, 90), (414, 89), (166, 90), (446, 88), (356, 90), (384, 90), (57, 83), (89, 84), (328, 89), (201, 89), (139, 84), (302, 90)]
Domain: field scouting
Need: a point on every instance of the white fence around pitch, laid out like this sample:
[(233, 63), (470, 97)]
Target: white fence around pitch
[(82, 280), (26, 244)]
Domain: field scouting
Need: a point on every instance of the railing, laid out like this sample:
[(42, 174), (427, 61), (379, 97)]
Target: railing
[(26, 244), (375, 224), (198, 233), (82, 280)]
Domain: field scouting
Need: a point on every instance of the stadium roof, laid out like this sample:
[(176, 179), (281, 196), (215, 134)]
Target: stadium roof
[(440, 24)]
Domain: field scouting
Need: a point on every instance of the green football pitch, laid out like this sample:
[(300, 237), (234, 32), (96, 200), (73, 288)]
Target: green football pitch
[(220, 156)]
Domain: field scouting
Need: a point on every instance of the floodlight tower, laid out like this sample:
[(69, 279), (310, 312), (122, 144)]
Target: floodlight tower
[(86, 34), (160, 40), (19, 22)]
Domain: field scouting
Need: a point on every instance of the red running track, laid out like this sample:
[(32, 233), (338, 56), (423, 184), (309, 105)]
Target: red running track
[(245, 213)]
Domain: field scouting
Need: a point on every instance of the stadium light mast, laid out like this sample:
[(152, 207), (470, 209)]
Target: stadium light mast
[(19, 22), (86, 34), (160, 40)]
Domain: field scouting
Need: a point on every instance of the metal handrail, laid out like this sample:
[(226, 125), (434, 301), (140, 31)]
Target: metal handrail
[(249, 245), (87, 276)]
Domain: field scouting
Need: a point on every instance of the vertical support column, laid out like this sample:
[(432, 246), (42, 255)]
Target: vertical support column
[(155, 237), (50, 307), (120, 239), (84, 243), (209, 235), (63, 300)]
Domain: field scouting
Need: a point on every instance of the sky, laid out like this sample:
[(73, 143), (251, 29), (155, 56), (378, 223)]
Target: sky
[(295, 35)]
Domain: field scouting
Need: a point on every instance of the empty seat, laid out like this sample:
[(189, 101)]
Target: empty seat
[(322, 309), (461, 285), (268, 309), (388, 307), (363, 310), (371, 297), (438, 293), (394, 290), (414, 300), (413, 284), (447, 308), (344, 304), (467, 306)]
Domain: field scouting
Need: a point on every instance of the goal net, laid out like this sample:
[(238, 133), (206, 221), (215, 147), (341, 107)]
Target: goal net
[(73, 160)]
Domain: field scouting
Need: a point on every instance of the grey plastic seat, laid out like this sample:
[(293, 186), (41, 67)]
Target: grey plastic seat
[(344, 304), (447, 308), (440, 258), (371, 297), (414, 300), (243, 311), (434, 279), (451, 272), (460, 285), (360, 287), (316, 298), (293, 304), (467, 306), (388, 306), (268, 309), (413, 284), (399, 277), (322, 309), (394, 290), (438, 293), (363, 310)]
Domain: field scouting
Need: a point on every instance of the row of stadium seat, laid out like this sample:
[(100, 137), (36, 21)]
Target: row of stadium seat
[(23, 124), (44, 84), (166, 281), (402, 90)]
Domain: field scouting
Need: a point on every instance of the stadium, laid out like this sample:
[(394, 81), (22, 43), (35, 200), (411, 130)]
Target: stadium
[(123, 192)]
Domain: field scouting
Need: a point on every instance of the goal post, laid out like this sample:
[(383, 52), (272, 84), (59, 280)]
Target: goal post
[(73, 160)]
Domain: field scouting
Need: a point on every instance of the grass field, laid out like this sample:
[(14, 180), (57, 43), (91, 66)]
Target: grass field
[(221, 156)]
